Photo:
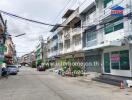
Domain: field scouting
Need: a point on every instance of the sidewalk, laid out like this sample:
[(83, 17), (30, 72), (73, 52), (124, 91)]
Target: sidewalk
[(87, 82)]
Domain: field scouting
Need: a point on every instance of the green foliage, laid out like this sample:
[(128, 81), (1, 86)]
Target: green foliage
[(39, 62), (46, 65), (65, 67), (33, 64), (75, 68)]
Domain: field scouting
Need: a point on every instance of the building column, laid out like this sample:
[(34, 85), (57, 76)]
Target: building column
[(130, 54)]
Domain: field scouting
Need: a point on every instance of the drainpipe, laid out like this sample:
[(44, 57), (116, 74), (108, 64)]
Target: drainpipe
[(130, 45), (130, 49)]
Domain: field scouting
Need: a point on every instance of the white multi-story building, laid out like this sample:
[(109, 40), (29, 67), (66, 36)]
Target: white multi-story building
[(107, 37), (91, 32), (69, 37)]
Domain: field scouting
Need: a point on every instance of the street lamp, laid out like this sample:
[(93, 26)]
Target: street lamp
[(20, 35), (15, 35)]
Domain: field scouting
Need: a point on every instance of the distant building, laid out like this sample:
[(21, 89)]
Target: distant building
[(2, 30), (41, 53), (10, 53)]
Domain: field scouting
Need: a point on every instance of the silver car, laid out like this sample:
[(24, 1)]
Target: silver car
[(12, 69)]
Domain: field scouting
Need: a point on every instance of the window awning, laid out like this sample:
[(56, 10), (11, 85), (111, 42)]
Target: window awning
[(109, 44)]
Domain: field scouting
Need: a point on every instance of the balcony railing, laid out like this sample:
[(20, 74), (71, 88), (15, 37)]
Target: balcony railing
[(76, 31), (91, 43)]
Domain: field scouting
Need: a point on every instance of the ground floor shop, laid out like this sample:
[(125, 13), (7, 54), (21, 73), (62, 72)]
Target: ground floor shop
[(117, 61), (93, 61)]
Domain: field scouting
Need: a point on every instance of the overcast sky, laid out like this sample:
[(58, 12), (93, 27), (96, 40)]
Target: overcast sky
[(41, 10)]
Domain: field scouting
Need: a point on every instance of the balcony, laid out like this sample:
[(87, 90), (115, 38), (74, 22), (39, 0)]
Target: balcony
[(76, 31), (86, 5), (74, 15), (53, 54), (91, 21), (91, 43), (54, 43), (107, 11)]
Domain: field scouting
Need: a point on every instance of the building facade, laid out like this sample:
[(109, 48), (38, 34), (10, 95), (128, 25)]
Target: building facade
[(116, 60), (41, 53), (108, 36), (91, 34), (2, 30), (10, 52), (66, 41)]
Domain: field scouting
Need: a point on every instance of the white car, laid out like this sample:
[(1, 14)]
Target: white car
[(12, 69)]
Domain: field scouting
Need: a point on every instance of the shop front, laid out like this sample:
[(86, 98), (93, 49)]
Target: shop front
[(116, 61), (93, 61)]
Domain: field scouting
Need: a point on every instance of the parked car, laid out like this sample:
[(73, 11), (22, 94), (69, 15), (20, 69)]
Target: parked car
[(12, 69), (17, 67)]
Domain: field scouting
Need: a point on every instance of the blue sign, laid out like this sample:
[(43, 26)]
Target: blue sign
[(117, 11)]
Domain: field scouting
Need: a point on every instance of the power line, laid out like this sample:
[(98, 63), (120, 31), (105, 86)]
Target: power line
[(30, 20), (68, 1), (34, 21)]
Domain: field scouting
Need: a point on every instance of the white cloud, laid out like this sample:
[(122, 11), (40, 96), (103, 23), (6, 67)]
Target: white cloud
[(41, 10)]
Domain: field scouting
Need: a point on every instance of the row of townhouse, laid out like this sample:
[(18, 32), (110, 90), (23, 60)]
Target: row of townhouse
[(28, 58), (92, 35), (7, 47), (37, 57), (41, 53)]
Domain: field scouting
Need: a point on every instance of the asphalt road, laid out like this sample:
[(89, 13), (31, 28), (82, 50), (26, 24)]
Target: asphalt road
[(32, 85)]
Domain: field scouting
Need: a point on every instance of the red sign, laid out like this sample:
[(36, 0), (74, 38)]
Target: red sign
[(115, 58), (117, 12)]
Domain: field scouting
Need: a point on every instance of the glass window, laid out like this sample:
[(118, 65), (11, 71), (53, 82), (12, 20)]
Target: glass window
[(106, 2), (115, 25), (109, 28), (91, 36), (67, 44), (124, 60), (118, 27), (115, 60)]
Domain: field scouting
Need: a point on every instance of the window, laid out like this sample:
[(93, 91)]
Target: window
[(124, 60), (67, 44), (61, 46), (109, 28), (107, 2), (91, 36), (120, 60), (118, 26), (77, 39), (115, 25)]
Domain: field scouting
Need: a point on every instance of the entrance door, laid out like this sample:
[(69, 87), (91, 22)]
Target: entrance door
[(107, 63)]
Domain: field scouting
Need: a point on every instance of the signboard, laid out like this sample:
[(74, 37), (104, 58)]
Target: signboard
[(115, 58), (1, 57), (117, 11), (3, 48)]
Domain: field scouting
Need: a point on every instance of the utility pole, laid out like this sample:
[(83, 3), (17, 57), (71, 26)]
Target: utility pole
[(131, 31), (42, 47)]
